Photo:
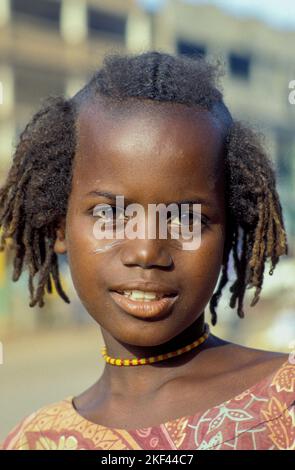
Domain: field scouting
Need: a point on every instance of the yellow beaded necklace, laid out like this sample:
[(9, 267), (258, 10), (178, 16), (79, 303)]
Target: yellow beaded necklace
[(160, 357)]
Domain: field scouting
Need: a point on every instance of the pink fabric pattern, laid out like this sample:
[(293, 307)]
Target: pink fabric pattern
[(260, 418)]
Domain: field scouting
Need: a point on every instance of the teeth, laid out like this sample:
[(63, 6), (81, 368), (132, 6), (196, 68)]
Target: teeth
[(140, 295)]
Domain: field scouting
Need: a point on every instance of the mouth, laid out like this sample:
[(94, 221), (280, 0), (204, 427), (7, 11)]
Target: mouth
[(147, 305)]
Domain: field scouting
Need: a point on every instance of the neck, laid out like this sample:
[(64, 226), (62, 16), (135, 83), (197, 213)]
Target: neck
[(147, 379)]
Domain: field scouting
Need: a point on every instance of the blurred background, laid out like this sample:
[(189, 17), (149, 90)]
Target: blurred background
[(50, 47)]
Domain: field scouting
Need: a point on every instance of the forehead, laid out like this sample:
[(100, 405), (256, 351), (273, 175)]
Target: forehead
[(149, 148)]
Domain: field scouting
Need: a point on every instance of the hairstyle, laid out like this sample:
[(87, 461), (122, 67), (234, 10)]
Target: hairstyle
[(34, 198)]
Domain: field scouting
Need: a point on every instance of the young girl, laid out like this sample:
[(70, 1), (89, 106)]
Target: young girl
[(154, 129)]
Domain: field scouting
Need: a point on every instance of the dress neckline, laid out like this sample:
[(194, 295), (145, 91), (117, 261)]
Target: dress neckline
[(267, 379)]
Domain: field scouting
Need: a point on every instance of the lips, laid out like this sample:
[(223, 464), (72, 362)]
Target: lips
[(147, 310), (145, 286)]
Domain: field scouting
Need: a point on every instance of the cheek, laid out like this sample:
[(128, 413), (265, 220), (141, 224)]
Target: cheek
[(86, 267), (202, 267)]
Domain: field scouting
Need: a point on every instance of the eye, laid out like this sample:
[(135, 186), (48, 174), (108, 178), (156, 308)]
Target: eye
[(189, 218), (103, 211), (107, 212)]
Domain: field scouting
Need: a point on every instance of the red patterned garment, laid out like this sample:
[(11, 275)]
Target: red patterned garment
[(262, 417)]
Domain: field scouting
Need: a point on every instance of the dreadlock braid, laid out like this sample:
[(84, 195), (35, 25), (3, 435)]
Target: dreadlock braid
[(34, 199), (29, 213), (254, 205)]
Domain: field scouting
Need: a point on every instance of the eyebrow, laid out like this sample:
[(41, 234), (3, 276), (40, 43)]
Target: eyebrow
[(112, 197)]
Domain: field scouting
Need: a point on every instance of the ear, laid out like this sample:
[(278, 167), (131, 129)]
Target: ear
[(60, 246)]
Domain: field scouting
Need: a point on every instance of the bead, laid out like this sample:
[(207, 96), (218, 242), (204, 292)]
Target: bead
[(152, 359)]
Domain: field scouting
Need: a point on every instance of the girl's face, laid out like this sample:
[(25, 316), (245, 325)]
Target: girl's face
[(150, 154)]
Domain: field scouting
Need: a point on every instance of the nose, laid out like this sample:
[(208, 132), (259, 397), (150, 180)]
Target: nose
[(146, 253)]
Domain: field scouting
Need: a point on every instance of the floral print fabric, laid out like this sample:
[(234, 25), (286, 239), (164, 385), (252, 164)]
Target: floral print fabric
[(262, 417)]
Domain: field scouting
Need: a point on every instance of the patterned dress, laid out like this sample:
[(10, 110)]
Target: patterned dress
[(262, 417)]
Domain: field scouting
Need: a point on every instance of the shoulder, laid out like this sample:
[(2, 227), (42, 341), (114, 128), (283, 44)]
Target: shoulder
[(27, 434), (260, 413), (230, 358), (240, 367), (270, 374), (258, 362), (272, 398)]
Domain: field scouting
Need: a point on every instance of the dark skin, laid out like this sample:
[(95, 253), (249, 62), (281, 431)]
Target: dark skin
[(156, 153)]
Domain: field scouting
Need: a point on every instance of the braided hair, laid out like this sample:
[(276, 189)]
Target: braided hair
[(34, 198)]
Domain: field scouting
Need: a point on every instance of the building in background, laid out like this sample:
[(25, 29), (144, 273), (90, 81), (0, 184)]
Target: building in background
[(50, 47), (259, 63)]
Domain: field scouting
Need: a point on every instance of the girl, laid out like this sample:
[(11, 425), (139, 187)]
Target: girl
[(152, 128)]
